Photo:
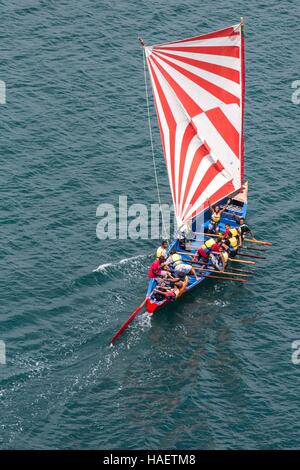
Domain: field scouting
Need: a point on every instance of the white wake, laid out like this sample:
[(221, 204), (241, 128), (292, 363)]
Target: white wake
[(104, 266)]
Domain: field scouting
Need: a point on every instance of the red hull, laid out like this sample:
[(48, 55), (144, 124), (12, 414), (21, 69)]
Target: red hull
[(152, 306)]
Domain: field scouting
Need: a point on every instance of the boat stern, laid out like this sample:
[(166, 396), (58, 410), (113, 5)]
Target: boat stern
[(151, 306)]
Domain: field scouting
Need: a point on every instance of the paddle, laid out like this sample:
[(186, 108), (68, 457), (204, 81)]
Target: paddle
[(232, 270), (129, 320), (246, 262), (206, 234), (251, 256), (253, 248), (242, 247), (202, 262), (222, 272), (226, 278), (260, 242), (242, 261), (247, 255)]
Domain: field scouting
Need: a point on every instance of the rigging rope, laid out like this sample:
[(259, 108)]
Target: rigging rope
[(165, 235)]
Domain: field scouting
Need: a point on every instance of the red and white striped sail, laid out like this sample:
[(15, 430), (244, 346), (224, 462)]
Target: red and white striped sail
[(198, 86)]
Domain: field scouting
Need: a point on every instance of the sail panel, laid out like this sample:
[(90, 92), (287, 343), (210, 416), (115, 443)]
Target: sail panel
[(198, 87)]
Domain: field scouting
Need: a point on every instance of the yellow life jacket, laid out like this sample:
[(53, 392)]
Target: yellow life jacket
[(234, 232), (160, 252), (225, 256), (176, 259), (209, 243), (233, 243), (216, 217)]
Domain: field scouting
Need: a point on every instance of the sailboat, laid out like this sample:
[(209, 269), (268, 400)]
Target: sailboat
[(198, 86)]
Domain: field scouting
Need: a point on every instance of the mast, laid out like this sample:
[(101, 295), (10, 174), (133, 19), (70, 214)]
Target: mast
[(243, 96)]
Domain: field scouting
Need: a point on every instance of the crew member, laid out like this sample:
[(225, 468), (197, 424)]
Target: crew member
[(156, 272), (173, 260), (182, 270), (225, 258), (162, 250), (168, 293), (184, 233), (204, 250), (244, 229), (232, 232), (216, 214), (233, 245)]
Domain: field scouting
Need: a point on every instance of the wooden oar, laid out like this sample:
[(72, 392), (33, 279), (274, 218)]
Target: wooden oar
[(206, 234), (242, 270), (226, 278), (260, 242), (241, 261), (253, 248), (184, 253), (217, 272), (251, 256), (243, 248), (232, 270), (246, 255), (129, 320)]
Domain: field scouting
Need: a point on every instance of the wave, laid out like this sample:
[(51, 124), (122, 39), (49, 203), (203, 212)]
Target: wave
[(104, 266)]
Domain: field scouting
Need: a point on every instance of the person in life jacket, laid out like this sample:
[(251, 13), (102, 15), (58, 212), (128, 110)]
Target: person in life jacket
[(203, 251), (217, 261), (162, 250), (156, 272), (216, 255), (232, 245), (227, 231), (173, 260), (216, 214), (233, 232), (217, 246), (167, 293), (183, 269), (244, 229), (225, 257)]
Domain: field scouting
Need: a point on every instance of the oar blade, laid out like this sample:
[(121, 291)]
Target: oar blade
[(227, 273), (128, 321)]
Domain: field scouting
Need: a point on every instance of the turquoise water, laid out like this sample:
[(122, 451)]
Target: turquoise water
[(212, 372)]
